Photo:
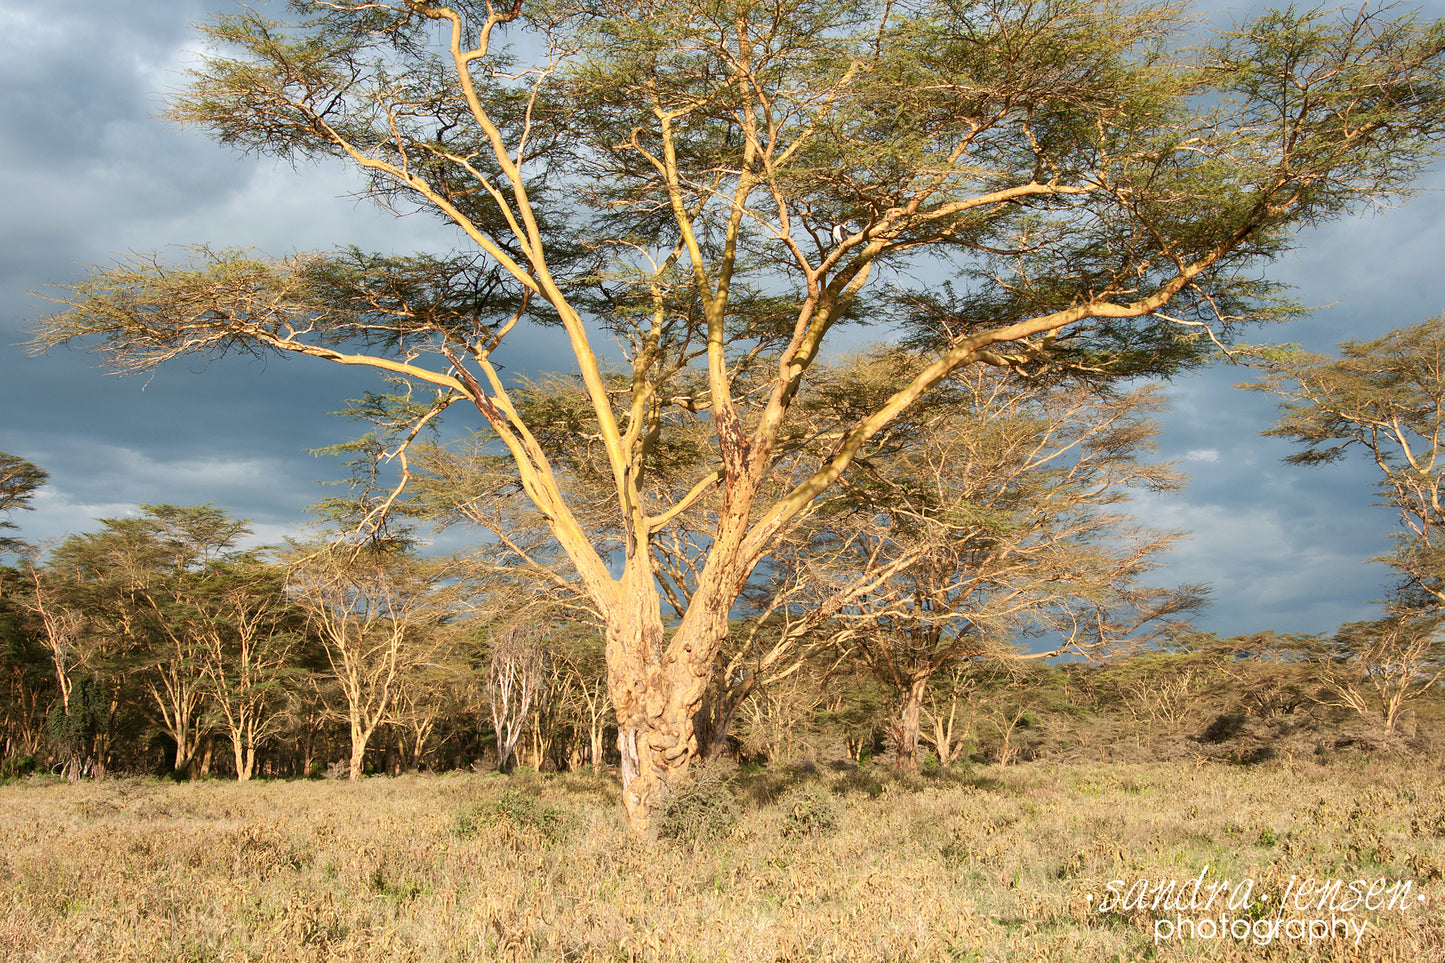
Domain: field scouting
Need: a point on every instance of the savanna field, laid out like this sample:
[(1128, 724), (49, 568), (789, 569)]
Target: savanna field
[(980, 863)]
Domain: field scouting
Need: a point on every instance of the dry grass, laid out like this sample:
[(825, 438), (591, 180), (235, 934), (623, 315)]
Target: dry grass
[(992, 865)]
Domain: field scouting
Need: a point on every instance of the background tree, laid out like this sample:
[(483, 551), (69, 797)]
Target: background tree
[(1382, 667), (251, 634), (435, 699), (517, 675), (743, 180), (1385, 399), (1162, 694), (146, 584), (61, 626), (19, 480), (27, 681), (1004, 510), (376, 611)]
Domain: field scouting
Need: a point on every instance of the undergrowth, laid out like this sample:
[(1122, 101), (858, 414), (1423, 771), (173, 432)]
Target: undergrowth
[(991, 864)]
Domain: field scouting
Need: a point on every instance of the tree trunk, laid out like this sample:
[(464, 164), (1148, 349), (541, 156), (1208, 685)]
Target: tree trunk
[(906, 728), (716, 717), (657, 691), (594, 748), (947, 741), (245, 763), (308, 752), (360, 735)]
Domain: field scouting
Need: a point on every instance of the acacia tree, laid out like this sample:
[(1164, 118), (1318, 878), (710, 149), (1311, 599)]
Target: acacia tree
[(140, 589), (1385, 399), (250, 634), (721, 188), (19, 480), (437, 698), (376, 612), (1005, 513), (516, 683), (1382, 666)]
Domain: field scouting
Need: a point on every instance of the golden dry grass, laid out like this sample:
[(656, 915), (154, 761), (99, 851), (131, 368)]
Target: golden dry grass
[(992, 865)]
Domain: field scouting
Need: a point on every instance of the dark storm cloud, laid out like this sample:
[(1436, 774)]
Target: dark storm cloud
[(84, 155), (91, 174), (1287, 547)]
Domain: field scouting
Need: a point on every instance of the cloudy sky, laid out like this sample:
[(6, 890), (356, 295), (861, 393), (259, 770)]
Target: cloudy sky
[(89, 173)]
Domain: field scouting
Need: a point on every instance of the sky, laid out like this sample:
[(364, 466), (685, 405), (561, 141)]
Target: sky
[(90, 173)]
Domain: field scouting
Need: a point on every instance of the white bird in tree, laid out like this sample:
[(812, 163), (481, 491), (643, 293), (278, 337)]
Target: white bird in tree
[(842, 230)]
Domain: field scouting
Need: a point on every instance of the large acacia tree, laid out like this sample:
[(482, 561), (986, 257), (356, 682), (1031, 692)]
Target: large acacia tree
[(719, 187)]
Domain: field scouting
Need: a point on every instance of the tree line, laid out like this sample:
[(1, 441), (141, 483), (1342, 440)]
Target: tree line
[(155, 646)]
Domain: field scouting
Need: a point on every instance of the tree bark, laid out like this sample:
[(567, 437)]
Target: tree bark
[(360, 736), (906, 728), (657, 691)]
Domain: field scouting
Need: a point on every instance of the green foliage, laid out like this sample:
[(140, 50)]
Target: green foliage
[(516, 810), (808, 810), (702, 810), (74, 732), (19, 480), (14, 767)]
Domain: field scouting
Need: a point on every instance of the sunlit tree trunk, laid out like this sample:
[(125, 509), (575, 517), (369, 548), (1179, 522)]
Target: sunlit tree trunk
[(907, 727)]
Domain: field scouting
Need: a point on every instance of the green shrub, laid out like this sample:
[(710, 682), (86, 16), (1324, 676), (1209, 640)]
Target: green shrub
[(703, 809), (515, 809), (13, 767), (863, 779), (808, 810)]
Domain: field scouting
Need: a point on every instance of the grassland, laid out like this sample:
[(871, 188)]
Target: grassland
[(986, 864)]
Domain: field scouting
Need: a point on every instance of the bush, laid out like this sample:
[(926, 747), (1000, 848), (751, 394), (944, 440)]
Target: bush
[(864, 779), (1228, 726), (808, 810), (516, 810), (13, 767), (703, 809)]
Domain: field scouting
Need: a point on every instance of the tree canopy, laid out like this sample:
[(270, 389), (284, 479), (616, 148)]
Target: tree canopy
[(19, 480), (1384, 399)]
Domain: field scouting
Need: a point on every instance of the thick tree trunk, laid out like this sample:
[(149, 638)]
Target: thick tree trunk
[(186, 758), (657, 690), (906, 728), (360, 736), (246, 767), (238, 754)]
